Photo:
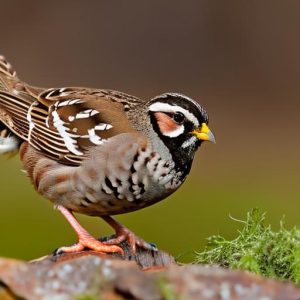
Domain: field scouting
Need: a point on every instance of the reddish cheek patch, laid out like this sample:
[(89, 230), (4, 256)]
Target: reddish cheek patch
[(165, 123)]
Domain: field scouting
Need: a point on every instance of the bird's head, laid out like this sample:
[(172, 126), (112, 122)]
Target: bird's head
[(182, 125)]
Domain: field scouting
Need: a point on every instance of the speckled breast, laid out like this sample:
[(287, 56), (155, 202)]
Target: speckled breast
[(121, 176)]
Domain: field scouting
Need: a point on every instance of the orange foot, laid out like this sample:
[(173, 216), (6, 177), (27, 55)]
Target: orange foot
[(85, 239), (92, 244), (124, 234)]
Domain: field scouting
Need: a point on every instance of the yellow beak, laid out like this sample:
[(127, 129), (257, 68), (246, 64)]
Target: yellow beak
[(204, 134)]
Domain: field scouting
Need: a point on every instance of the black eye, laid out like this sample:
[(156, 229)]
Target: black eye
[(178, 117)]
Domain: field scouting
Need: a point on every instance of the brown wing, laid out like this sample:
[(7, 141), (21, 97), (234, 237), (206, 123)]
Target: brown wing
[(62, 123), (65, 123)]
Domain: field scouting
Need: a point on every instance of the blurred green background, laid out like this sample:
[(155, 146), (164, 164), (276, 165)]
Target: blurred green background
[(240, 59)]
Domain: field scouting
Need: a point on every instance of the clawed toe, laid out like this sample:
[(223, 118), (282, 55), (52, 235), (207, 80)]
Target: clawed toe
[(86, 241), (124, 234), (132, 240), (91, 244)]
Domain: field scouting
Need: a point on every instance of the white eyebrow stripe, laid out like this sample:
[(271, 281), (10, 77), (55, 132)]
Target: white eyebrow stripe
[(165, 107)]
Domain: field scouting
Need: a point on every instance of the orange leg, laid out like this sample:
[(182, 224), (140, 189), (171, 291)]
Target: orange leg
[(85, 240), (123, 233)]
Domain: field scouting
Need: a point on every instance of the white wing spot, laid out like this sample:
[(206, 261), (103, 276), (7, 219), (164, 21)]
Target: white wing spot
[(68, 140), (103, 126), (94, 112), (83, 114), (75, 101), (29, 119), (47, 121), (94, 138), (68, 102)]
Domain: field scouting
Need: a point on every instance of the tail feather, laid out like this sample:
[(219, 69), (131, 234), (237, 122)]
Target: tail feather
[(14, 105), (7, 73), (6, 68)]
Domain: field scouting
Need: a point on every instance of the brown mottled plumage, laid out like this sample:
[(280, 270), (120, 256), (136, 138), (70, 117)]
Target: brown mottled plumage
[(99, 152)]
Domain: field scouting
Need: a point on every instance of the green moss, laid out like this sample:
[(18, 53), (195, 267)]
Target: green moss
[(257, 248), (87, 297), (166, 290)]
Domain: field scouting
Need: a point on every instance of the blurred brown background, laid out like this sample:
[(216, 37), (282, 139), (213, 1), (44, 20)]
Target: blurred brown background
[(240, 59)]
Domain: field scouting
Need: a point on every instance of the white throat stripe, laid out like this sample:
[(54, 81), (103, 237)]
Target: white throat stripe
[(189, 142)]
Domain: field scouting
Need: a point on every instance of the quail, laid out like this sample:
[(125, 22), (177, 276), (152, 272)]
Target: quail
[(100, 152)]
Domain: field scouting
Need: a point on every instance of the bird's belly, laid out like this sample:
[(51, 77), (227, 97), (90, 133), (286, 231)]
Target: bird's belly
[(105, 184), (116, 200)]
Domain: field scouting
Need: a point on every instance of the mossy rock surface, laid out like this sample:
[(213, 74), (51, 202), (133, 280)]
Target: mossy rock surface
[(257, 248), (91, 276)]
